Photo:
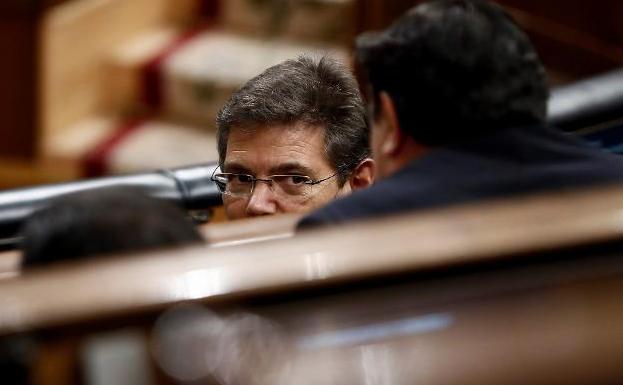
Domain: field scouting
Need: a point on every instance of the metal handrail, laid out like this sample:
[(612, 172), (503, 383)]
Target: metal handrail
[(188, 187)]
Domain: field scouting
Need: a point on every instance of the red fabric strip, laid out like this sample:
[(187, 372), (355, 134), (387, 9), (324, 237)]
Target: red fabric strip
[(95, 161)]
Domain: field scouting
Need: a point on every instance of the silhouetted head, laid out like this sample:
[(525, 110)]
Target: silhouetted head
[(85, 224), (455, 69)]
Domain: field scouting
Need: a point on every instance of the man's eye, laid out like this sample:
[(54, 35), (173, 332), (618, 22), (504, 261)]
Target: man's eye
[(297, 179), (241, 178)]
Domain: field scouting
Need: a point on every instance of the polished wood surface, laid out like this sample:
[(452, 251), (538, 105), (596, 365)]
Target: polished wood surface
[(75, 38), (16, 173), (19, 43), (18, 76), (52, 49), (427, 241), (250, 230), (580, 42), (9, 264), (575, 38), (557, 331), (218, 234)]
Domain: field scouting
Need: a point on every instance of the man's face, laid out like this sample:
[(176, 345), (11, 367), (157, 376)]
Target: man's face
[(290, 149)]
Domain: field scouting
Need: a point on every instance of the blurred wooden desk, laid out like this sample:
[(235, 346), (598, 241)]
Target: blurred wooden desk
[(250, 230), (216, 234), (435, 240), (574, 38), (9, 264), (516, 291)]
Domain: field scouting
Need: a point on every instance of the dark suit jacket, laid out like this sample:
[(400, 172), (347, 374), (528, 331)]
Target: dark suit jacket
[(512, 161)]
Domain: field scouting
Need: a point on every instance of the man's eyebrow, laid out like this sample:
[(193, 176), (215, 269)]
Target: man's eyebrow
[(292, 168), (233, 167)]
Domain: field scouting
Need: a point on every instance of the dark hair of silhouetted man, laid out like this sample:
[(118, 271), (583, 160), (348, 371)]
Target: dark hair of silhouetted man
[(455, 69), (93, 223)]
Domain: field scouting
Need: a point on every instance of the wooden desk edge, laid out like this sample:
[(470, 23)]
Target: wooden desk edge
[(471, 234)]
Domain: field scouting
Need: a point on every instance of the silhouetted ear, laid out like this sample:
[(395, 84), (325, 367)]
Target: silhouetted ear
[(363, 175), (392, 136)]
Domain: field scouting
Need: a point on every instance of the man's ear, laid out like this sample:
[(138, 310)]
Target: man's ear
[(387, 115), (363, 175)]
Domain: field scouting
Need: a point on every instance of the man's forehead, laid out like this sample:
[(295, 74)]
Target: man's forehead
[(280, 135), (276, 147), (296, 128)]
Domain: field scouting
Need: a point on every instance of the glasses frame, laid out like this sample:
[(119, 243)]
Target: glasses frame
[(268, 180)]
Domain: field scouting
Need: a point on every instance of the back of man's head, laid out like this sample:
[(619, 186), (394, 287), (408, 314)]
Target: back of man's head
[(455, 69), (92, 223)]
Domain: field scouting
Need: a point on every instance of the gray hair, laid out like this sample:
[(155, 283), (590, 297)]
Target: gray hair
[(323, 93)]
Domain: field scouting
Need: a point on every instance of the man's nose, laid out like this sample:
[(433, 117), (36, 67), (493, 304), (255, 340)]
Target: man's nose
[(262, 201)]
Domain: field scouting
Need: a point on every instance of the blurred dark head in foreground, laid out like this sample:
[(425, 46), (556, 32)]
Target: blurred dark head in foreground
[(453, 70), (92, 223)]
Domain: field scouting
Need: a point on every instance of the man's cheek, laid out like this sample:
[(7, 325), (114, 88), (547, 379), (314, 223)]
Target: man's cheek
[(234, 209), (316, 201), (286, 207)]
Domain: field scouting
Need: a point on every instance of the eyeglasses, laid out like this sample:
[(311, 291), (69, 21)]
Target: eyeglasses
[(242, 185)]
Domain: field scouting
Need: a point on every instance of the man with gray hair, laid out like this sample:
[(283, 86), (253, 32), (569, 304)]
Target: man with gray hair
[(292, 139)]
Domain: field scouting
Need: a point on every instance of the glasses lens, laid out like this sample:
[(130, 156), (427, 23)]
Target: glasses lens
[(234, 184), (292, 185), (239, 184)]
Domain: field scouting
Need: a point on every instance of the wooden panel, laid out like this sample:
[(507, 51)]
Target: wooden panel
[(9, 263), (599, 19), (565, 332), (57, 362), (578, 42), (11, 9), (19, 44), (50, 79), (18, 41), (539, 324), (423, 242), (22, 173), (250, 230), (76, 37), (575, 38), (216, 234), (377, 14)]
